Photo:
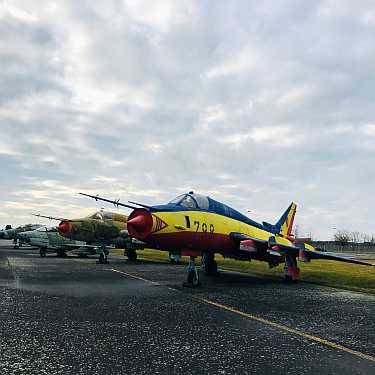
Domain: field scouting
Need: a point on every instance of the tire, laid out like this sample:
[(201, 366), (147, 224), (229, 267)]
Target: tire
[(193, 279), (132, 256), (211, 268), (42, 253)]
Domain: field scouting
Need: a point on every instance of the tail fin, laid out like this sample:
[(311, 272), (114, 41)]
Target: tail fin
[(285, 223)]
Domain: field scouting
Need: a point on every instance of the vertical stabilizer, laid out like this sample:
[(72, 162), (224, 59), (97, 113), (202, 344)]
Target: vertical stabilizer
[(285, 223)]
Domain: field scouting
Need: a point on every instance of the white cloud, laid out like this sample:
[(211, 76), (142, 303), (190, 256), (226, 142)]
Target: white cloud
[(161, 15), (295, 95), (242, 62), (9, 8), (369, 130), (254, 104)]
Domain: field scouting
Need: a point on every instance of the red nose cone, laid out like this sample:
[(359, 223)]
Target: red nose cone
[(140, 223), (64, 228)]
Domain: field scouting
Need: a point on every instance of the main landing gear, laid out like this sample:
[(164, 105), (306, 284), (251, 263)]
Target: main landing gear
[(291, 270), (131, 255), (42, 252), (192, 274), (209, 264), (103, 256)]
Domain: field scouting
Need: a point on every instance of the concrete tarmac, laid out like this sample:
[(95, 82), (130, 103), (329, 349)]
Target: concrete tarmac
[(73, 316)]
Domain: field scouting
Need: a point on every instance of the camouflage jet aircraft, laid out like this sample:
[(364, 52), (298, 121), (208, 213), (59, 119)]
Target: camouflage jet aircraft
[(49, 240), (197, 225), (12, 234), (102, 228)]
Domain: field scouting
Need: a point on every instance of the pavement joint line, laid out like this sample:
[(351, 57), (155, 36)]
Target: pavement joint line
[(270, 323)]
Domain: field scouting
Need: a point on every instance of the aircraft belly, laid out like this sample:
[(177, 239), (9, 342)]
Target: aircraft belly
[(38, 242)]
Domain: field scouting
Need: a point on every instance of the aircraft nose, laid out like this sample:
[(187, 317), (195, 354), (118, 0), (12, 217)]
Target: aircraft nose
[(140, 223), (64, 228)]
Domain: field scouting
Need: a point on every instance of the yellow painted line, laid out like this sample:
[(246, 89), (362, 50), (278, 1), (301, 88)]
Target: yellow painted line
[(270, 323), (290, 330)]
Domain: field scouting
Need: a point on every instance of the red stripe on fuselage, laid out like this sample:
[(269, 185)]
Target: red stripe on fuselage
[(192, 240), (205, 242)]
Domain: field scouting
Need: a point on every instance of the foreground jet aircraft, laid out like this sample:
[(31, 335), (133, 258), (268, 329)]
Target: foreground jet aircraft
[(102, 228), (12, 234), (197, 225)]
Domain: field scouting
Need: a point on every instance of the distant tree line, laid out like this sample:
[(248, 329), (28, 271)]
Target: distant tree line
[(345, 237)]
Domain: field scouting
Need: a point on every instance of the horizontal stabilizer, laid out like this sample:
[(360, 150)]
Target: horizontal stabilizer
[(315, 254)]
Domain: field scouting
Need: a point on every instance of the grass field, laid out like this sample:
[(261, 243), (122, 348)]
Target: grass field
[(336, 274)]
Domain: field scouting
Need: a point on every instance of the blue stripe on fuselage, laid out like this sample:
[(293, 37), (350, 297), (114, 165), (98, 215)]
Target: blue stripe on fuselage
[(216, 208)]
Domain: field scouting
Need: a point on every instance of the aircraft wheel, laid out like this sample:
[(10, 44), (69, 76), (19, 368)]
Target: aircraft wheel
[(42, 252), (212, 268), (193, 279), (101, 259), (132, 256), (209, 265)]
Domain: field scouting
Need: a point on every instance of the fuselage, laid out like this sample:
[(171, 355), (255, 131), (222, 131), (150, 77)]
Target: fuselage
[(10, 234), (47, 238), (101, 227), (196, 229)]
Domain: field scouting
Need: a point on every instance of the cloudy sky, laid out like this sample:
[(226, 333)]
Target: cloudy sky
[(253, 103)]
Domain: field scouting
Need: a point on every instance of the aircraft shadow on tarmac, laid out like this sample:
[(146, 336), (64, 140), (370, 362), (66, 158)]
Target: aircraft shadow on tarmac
[(223, 278)]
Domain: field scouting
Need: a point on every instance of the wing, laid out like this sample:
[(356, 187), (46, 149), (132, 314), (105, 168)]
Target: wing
[(75, 246), (316, 254), (303, 251)]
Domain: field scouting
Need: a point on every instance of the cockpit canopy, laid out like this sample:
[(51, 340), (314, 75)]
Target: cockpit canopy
[(201, 202), (101, 215), (192, 200)]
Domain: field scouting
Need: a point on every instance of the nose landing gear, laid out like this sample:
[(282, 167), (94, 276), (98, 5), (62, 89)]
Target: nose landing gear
[(103, 256), (42, 252), (192, 280)]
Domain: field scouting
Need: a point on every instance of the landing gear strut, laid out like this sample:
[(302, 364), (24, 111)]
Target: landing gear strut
[(209, 265), (192, 274), (42, 252), (131, 255), (291, 270), (103, 256)]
